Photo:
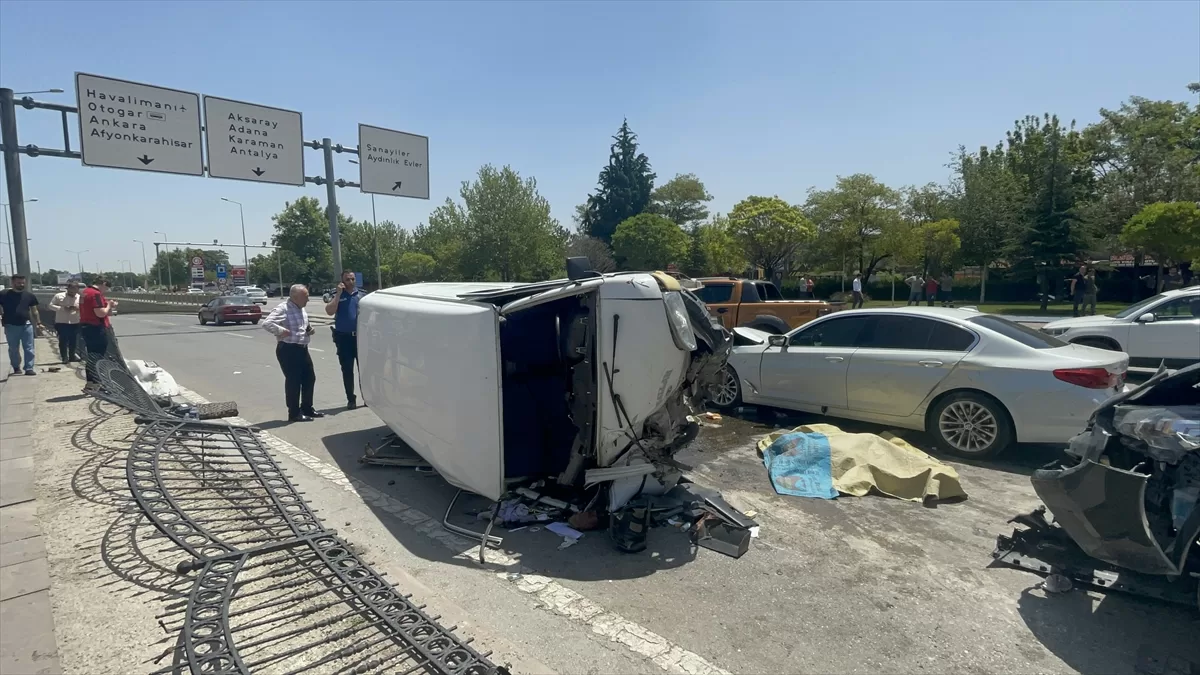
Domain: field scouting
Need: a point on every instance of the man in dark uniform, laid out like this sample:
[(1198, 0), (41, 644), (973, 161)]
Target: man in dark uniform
[(343, 307)]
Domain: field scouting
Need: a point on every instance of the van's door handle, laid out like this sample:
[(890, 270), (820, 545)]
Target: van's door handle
[(834, 359), (930, 363), (722, 310)]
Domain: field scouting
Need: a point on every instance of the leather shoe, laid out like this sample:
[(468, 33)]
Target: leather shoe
[(351, 404), (300, 418), (313, 414)]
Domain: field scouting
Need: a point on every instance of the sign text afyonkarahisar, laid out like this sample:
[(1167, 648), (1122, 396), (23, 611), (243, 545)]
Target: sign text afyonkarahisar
[(253, 142), (393, 162), (128, 125)]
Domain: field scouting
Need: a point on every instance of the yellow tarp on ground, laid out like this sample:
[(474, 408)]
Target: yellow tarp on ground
[(889, 464)]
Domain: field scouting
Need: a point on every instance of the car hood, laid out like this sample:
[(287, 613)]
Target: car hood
[(1082, 322)]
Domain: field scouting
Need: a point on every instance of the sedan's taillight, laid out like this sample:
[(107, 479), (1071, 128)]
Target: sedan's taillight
[(1092, 378)]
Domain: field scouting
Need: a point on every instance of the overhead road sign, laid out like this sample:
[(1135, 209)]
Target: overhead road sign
[(128, 125), (393, 162), (246, 141)]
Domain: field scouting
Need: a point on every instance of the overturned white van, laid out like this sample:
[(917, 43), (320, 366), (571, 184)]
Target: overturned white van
[(591, 380)]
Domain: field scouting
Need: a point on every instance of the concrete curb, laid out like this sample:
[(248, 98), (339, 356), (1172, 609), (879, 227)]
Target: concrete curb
[(27, 641)]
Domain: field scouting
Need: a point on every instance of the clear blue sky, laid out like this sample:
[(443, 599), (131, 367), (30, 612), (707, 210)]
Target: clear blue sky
[(755, 98)]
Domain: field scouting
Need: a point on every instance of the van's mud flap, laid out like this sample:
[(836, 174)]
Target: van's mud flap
[(1047, 549), (1103, 510)]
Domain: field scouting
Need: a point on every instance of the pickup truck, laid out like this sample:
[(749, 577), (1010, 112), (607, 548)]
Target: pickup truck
[(758, 304)]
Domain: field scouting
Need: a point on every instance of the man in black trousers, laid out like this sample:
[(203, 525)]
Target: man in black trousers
[(343, 307), (288, 322)]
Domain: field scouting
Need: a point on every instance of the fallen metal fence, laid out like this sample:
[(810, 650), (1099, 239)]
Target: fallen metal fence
[(274, 590)]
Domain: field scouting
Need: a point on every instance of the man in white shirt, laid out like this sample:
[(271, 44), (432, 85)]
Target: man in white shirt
[(857, 287), (915, 284), (65, 306), (288, 322)]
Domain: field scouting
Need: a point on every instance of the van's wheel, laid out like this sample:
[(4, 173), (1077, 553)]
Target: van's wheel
[(970, 425), (727, 392)]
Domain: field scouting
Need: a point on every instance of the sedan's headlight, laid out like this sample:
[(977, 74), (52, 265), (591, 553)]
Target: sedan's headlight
[(1055, 331), (681, 328)]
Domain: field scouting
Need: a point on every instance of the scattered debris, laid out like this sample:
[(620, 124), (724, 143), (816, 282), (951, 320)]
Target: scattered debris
[(584, 521), (564, 530), (711, 416), (393, 452)]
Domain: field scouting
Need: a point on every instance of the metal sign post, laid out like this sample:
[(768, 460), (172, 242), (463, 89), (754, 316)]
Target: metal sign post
[(19, 237)]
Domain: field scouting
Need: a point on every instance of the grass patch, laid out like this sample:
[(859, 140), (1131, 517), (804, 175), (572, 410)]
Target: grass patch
[(1035, 309)]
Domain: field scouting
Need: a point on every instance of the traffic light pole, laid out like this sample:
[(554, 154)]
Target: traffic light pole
[(327, 147)]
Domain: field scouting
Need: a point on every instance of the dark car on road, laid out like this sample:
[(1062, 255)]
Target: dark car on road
[(230, 309)]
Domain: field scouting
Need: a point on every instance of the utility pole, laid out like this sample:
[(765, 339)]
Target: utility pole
[(79, 260), (335, 240), (170, 284), (19, 235), (144, 267), (245, 253)]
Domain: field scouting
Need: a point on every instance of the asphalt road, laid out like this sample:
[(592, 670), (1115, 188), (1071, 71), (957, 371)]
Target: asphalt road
[(851, 585)]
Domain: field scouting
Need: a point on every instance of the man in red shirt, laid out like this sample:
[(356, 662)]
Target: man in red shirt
[(94, 310)]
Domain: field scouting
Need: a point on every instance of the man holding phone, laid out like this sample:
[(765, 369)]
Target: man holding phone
[(343, 307), (288, 322)]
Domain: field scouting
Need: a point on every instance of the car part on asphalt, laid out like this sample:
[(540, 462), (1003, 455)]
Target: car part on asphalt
[(1128, 497), (275, 588)]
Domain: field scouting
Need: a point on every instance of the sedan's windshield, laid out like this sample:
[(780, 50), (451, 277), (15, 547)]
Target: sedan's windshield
[(1138, 308), (1015, 331)]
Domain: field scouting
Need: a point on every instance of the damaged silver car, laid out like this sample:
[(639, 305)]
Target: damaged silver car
[(1127, 497)]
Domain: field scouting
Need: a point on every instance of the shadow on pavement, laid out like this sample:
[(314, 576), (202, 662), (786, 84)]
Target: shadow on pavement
[(592, 558), (1108, 636)]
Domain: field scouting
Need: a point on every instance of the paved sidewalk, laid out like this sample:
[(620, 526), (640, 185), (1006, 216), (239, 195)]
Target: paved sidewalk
[(27, 643)]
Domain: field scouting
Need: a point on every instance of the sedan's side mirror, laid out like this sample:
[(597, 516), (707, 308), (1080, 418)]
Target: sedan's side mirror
[(1148, 317), (777, 340)]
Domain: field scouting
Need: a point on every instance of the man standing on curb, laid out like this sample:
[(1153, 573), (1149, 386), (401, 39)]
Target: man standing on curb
[(66, 322), (915, 283), (288, 322), (344, 310), (19, 315), (856, 289), (94, 324)]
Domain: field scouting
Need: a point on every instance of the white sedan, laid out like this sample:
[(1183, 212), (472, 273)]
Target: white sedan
[(975, 382), (1163, 328)]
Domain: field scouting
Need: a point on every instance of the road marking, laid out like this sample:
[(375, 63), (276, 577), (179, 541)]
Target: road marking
[(314, 349), (548, 594), (248, 337)]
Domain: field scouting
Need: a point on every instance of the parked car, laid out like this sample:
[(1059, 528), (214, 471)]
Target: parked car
[(592, 380), (975, 382), (1162, 328), (230, 309), (758, 304), (257, 295), (195, 291)]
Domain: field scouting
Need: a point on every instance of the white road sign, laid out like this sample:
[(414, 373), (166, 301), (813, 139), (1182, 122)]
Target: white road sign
[(127, 125), (253, 142), (197, 261), (393, 162)]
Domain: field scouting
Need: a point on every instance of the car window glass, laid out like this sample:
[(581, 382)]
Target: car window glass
[(750, 293), (768, 291), (1179, 309), (1015, 331), (841, 332), (1138, 309), (897, 332), (950, 338), (716, 293)]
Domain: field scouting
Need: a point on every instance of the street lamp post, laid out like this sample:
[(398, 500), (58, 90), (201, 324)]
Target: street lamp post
[(11, 242), (245, 251), (375, 230), (170, 284), (129, 278), (144, 267), (79, 260)]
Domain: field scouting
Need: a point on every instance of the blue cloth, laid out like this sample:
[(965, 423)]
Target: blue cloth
[(17, 337), (346, 318), (800, 464)]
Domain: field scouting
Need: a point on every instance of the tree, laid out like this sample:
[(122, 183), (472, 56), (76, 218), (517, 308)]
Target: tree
[(714, 249), (1170, 231), (649, 241), (933, 246), (859, 218), (769, 232), (302, 228), (443, 240), (597, 252), (624, 186), (413, 267), (1144, 152), (988, 203), (1050, 165), (681, 199)]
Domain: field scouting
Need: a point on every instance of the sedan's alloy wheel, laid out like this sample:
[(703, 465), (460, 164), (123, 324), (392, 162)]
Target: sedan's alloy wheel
[(968, 426), (725, 393)]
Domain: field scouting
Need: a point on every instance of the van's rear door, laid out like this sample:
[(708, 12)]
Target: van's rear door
[(430, 369)]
